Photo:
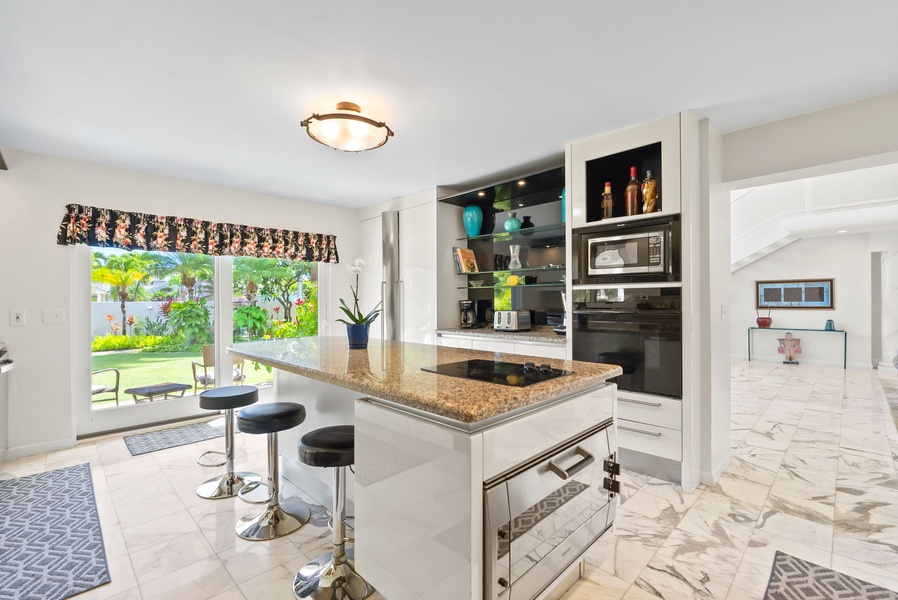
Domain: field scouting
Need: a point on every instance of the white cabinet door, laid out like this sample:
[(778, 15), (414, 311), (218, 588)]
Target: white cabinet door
[(493, 346), (417, 273), (454, 342), (541, 350), (370, 281)]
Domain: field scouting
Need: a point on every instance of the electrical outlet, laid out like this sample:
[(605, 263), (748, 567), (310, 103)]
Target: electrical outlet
[(54, 316), (17, 317)]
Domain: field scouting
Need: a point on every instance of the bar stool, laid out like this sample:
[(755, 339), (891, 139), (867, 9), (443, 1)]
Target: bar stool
[(279, 517), (331, 575), (226, 399)]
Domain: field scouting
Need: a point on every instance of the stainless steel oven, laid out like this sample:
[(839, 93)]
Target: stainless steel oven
[(540, 518), (639, 329), (628, 252)]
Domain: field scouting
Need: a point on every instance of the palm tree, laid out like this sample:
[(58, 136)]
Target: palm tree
[(187, 269), (249, 273), (120, 279)]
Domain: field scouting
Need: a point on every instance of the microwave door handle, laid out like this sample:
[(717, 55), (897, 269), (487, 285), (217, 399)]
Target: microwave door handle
[(588, 459)]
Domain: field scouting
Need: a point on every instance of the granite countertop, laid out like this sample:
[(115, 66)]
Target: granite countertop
[(392, 371), (542, 334)]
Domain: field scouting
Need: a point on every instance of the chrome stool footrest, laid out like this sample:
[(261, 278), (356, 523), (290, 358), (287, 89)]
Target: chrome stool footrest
[(227, 485), (251, 487), (274, 521), (200, 462), (326, 579), (330, 526)]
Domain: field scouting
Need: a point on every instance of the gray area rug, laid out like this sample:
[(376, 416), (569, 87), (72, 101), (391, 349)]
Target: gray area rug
[(51, 545), (796, 579), (174, 436)]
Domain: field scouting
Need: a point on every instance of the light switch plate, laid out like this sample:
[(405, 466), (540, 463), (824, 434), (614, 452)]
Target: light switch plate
[(16, 317), (54, 316)]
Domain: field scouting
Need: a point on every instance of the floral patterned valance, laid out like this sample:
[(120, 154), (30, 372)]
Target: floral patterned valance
[(106, 227)]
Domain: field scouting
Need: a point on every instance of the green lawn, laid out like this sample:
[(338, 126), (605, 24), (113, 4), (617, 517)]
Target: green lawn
[(147, 368)]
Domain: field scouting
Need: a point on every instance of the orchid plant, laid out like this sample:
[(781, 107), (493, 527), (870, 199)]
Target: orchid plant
[(355, 314)]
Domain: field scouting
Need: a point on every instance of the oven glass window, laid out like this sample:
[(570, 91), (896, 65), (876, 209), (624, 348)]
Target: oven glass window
[(641, 331)]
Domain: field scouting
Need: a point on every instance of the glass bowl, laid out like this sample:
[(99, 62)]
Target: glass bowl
[(475, 282)]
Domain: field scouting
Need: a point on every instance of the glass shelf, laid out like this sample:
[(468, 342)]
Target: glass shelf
[(541, 233), (525, 270), (560, 284)]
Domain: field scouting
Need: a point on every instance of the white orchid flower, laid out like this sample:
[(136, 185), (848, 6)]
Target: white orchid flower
[(354, 269), (358, 263)]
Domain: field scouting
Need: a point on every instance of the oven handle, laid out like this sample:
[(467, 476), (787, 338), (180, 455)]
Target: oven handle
[(588, 459), (627, 311), (651, 433)]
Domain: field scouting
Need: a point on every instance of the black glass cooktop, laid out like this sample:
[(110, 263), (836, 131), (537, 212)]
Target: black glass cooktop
[(503, 373)]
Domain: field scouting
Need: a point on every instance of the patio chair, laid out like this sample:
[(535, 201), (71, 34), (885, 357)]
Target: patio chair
[(98, 388), (204, 372)]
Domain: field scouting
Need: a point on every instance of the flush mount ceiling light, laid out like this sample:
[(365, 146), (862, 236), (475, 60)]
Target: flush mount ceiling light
[(347, 129)]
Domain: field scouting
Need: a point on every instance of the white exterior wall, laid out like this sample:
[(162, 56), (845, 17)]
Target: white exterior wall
[(52, 371)]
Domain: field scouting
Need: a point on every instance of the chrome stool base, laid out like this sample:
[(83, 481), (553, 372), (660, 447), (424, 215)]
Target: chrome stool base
[(323, 579), (226, 486), (274, 521)]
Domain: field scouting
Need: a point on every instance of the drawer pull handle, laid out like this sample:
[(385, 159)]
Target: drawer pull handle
[(651, 433), (643, 402), (588, 459)]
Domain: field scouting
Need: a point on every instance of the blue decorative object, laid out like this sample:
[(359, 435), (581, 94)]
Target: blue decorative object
[(563, 204), (830, 326), (472, 217), (511, 223), (357, 335)]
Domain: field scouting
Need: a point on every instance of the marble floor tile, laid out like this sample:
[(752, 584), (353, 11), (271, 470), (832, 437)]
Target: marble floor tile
[(865, 572), (165, 558), (735, 486), (774, 519), (199, 581), (875, 544), (621, 558), (597, 585), (641, 530)]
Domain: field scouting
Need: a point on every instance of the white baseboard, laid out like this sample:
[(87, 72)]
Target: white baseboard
[(710, 478), (16, 452)]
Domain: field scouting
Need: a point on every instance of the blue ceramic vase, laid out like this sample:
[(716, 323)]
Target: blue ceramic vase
[(563, 204), (357, 336), (512, 223), (472, 217)]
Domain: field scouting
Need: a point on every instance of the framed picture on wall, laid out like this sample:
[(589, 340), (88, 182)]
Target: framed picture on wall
[(794, 293)]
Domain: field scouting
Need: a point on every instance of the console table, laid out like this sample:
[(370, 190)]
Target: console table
[(842, 331)]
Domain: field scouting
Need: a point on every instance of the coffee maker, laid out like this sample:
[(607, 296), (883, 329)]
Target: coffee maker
[(468, 317)]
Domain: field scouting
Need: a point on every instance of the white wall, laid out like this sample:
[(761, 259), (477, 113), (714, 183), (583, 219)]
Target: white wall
[(851, 136), (844, 258), (36, 273)]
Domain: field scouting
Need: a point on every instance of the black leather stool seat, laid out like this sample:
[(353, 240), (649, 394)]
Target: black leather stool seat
[(231, 396), (271, 417), (328, 447)]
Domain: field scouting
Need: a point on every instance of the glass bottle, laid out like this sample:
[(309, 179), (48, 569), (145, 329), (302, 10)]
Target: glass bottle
[(649, 193), (607, 202), (631, 194)]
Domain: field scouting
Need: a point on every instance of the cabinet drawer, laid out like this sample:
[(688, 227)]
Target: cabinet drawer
[(493, 346), (517, 441), (541, 350), (649, 439), (454, 342), (652, 410)]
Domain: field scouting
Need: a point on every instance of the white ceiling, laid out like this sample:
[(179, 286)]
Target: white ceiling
[(214, 90)]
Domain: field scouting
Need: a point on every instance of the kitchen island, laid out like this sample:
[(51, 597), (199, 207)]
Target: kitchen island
[(431, 450)]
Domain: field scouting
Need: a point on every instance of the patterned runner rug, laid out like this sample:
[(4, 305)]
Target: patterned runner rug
[(796, 579), (174, 436), (51, 546)]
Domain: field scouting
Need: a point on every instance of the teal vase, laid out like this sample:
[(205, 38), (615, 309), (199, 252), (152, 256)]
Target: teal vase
[(472, 217), (563, 204), (512, 223)]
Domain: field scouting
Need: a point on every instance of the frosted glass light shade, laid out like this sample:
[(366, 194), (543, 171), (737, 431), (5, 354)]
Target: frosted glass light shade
[(347, 129)]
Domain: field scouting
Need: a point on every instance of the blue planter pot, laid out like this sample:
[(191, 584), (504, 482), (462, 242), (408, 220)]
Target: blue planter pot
[(512, 223), (357, 336), (472, 217)]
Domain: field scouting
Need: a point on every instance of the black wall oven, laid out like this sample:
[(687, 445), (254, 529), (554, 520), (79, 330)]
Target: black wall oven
[(639, 329)]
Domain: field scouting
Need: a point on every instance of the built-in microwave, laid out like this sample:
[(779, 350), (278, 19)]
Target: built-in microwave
[(628, 252)]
